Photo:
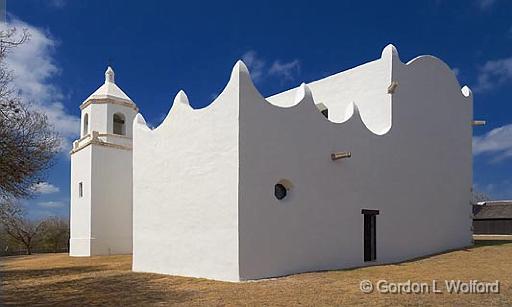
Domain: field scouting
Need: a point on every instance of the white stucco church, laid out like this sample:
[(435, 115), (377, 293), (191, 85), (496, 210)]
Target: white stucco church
[(368, 166)]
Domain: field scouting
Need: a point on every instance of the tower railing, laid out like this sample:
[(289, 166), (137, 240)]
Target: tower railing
[(102, 138)]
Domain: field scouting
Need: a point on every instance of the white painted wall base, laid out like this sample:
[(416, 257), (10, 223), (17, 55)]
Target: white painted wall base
[(80, 247), (111, 246)]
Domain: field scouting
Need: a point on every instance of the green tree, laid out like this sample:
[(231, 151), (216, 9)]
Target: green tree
[(55, 233)]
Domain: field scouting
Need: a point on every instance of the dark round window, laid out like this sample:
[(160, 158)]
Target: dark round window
[(280, 191)]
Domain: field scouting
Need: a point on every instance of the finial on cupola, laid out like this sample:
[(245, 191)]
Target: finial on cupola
[(109, 75)]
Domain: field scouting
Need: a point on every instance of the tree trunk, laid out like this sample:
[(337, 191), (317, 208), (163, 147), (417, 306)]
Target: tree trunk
[(28, 246)]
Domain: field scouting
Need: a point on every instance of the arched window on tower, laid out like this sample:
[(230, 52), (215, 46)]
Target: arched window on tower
[(86, 125), (119, 126)]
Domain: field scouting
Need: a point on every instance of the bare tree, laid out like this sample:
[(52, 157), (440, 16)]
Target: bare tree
[(479, 196), (55, 233), (17, 226), (28, 142)]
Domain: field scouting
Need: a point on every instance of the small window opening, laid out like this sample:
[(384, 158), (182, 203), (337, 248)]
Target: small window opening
[(325, 113), (86, 125), (282, 188), (119, 126), (80, 190), (280, 191)]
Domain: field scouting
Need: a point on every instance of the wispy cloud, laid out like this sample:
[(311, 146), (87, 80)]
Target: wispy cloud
[(485, 4), (287, 70), (499, 190), (494, 74), (45, 188), (34, 67), (56, 3), (153, 123), (456, 71), (214, 96), (41, 210), (497, 142), (279, 69), (255, 65), (52, 204)]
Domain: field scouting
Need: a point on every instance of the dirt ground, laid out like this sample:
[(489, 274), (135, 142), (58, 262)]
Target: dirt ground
[(51, 279)]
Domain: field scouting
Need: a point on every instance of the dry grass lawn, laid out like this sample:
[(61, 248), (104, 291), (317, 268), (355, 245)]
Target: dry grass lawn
[(58, 279)]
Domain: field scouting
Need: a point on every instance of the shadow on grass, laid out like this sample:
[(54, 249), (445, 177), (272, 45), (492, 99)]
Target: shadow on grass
[(118, 288), (477, 244), (21, 274), (480, 243)]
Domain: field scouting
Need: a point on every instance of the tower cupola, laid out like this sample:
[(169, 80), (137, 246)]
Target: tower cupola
[(107, 115)]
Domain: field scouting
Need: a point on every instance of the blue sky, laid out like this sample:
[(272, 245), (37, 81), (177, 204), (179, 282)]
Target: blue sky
[(160, 47)]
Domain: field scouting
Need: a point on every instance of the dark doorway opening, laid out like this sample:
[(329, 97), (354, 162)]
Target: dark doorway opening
[(370, 234)]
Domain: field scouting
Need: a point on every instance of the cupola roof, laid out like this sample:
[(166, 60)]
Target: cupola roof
[(109, 90)]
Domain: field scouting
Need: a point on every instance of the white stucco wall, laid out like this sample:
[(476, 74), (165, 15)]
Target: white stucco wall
[(101, 220), (204, 202), (80, 207), (417, 173), (111, 210), (98, 120), (186, 190)]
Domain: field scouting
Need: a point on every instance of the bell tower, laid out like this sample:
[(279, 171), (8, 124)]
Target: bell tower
[(101, 174)]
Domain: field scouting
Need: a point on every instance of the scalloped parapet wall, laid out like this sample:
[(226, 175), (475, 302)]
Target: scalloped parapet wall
[(366, 86), (204, 178)]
